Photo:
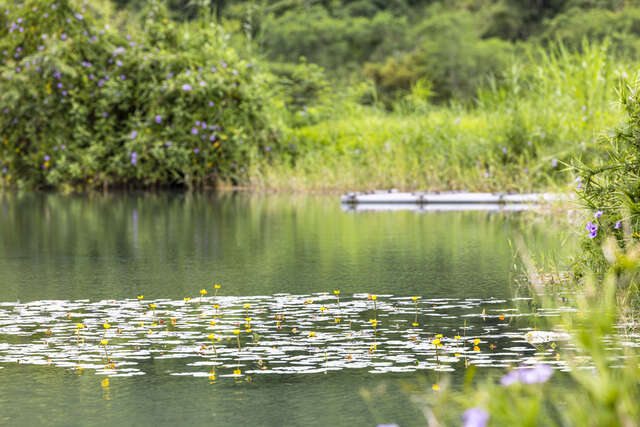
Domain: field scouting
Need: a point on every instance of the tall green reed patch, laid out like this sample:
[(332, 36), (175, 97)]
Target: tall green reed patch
[(517, 135), (86, 98)]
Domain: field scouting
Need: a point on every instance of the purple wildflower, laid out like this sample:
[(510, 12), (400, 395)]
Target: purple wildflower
[(196, 150), (47, 158), (268, 148), (134, 158), (598, 214), (194, 131), (554, 163), (592, 229), (158, 119), (4, 170), (186, 87), (168, 144), (578, 180), (617, 226), (475, 417), (123, 77), (59, 85), (212, 138), (211, 104), (64, 93), (100, 83), (213, 69), (63, 36), (537, 374), (134, 134), (223, 64), (78, 16)]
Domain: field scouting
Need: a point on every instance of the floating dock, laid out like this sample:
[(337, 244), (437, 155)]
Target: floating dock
[(448, 198)]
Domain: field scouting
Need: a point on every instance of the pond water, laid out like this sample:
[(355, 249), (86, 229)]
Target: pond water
[(422, 297)]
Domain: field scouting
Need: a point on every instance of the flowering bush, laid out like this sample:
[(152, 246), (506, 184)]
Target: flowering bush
[(85, 102)]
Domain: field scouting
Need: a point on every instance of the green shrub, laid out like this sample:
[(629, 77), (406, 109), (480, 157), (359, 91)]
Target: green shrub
[(86, 102)]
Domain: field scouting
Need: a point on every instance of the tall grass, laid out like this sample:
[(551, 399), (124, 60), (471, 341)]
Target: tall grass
[(516, 135)]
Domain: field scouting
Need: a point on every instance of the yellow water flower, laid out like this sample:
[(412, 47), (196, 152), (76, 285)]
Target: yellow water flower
[(140, 296), (323, 308), (237, 332), (152, 306), (203, 292), (457, 337), (104, 382), (374, 297), (415, 298), (476, 348), (436, 342), (248, 330), (106, 326), (48, 332), (247, 319), (336, 320), (247, 305), (212, 323), (216, 286), (187, 299), (211, 337), (237, 372), (312, 334), (336, 292), (439, 336), (79, 326), (374, 322), (476, 341), (104, 342), (436, 387), (414, 324)]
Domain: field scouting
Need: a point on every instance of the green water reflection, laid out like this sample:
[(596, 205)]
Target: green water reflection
[(171, 245)]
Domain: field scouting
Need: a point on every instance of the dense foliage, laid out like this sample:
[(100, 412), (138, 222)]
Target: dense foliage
[(465, 94), (86, 99)]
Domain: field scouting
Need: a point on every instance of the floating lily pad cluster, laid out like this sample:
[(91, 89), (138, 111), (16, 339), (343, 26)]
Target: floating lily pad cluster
[(279, 334)]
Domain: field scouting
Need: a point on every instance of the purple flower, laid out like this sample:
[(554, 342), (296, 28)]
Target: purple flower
[(617, 226), (134, 134), (223, 64), (268, 148), (194, 131), (119, 63), (78, 16), (592, 229), (213, 69), (186, 87), (63, 36), (59, 85), (64, 93), (134, 158), (537, 374), (475, 417), (104, 114), (235, 72), (47, 158), (123, 77), (554, 163), (4, 170), (212, 138), (196, 150), (203, 84), (170, 75), (204, 125), (158, 119), (168, 144), (100, 83), (578, 180), (211, 104), (598, 214)]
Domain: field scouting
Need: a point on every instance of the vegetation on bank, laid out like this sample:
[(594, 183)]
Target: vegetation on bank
[(415, 95)]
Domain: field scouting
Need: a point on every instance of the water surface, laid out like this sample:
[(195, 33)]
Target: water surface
[(84, 259)]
